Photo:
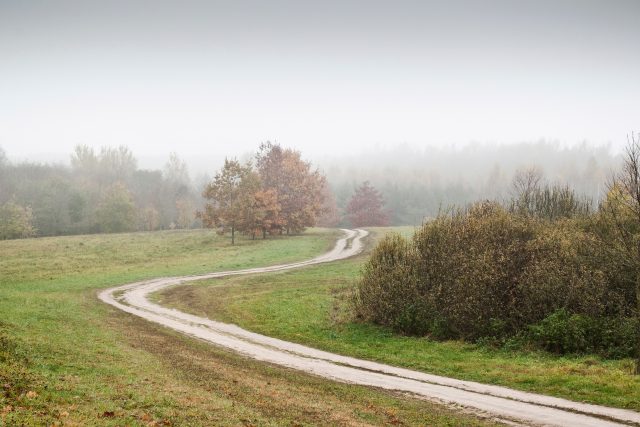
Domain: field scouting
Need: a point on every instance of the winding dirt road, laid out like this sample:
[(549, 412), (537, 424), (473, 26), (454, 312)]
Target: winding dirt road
[(498, 402)]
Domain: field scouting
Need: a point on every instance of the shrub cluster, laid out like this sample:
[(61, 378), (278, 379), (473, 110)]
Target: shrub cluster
[(489, 272)]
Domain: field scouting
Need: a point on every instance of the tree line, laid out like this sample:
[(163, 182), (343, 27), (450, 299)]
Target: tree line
[(101, 191), (416, 183), (105, 190)]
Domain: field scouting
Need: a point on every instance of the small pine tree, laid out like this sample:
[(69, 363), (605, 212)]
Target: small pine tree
[(366, 207)]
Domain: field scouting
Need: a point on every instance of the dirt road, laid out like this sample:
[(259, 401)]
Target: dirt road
[(498, 402)]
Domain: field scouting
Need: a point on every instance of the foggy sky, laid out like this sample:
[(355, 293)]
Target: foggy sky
[(217, 78)]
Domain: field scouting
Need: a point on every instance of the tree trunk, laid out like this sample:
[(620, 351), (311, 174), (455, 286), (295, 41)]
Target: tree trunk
[(233, 235), (264, 233)]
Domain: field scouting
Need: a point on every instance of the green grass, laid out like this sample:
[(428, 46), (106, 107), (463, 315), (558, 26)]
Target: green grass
[(310, 306), (68, 359)]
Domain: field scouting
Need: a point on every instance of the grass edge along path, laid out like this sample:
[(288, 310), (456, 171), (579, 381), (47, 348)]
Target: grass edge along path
[(309, 307), (68, 359)]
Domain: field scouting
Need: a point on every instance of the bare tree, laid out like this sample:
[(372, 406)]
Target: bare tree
[(526, 181)]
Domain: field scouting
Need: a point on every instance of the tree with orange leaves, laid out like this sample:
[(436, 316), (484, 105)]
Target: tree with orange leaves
[(298, 188)]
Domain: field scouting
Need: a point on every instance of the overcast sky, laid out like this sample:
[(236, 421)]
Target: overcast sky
[(217, 78)]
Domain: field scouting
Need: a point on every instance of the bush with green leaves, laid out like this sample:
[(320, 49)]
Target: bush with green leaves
[(562, 332)]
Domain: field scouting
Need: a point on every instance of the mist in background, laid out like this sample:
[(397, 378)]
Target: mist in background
[(418, 184), (211, 79), (107, 190), (434, 103)]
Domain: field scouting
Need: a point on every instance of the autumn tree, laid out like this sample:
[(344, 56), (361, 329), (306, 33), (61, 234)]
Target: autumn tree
[(259, 208), (16, 221), (231, 195), (297, 186), (366, 207), (270, 220)]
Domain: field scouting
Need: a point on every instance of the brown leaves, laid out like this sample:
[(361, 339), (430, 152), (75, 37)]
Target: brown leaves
[(283, 193), (298, 187), (146, 418)]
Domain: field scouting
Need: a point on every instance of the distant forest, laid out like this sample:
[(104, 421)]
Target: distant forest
[(417, 184), (101, 191), (105, 190)]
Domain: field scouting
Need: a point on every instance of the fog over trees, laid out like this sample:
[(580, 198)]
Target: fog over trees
[(102, 191), (105, 190), (418, 183), (544, 269)]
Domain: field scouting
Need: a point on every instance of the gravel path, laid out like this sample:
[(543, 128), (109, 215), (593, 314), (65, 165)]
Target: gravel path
[(497, 402)]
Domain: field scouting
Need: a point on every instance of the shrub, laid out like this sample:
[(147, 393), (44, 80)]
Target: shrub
[(387, 293), (489, 273), (562, 333)]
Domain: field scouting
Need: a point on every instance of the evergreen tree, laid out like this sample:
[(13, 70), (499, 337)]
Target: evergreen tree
[(366, 207)]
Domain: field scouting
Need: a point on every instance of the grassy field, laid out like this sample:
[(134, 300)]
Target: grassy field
[(310, 306), (67, 359)]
